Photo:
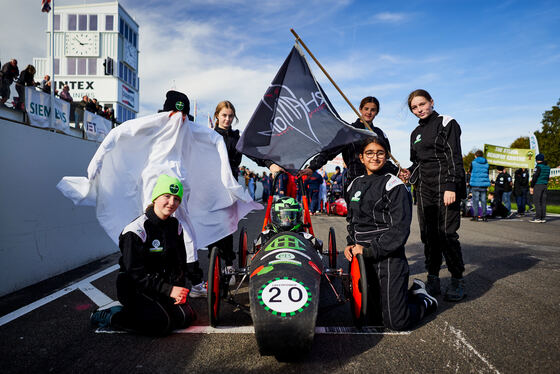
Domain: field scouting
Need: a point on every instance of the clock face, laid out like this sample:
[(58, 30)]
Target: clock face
[(82, 44)]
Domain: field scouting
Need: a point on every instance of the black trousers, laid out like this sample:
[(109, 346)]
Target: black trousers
[(148, 314), (539, 199), (225, 248), (390, 301), (438, 231)]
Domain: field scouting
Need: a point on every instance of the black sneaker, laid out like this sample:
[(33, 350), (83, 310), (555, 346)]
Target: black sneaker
[(456, 290), (102, 317), (433, 285), (417, 284), (429, 301)]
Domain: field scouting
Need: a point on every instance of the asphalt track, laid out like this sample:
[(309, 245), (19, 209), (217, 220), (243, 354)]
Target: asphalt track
[(509, 322)]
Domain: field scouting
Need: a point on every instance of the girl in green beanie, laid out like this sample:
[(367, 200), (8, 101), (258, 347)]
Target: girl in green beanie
[(151, 280)]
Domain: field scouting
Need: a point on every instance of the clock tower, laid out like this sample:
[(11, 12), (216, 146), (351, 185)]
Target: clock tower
[(95, 54)]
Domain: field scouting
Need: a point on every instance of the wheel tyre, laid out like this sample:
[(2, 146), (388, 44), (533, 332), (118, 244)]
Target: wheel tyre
[(332, 249), (214, 287), (358, 289), (242, 249)]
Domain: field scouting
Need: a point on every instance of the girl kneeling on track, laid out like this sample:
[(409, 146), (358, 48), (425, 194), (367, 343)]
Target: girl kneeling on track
[(379, 216), (151, 280)]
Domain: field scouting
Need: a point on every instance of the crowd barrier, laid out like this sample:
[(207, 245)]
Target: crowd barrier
[(38, 110)]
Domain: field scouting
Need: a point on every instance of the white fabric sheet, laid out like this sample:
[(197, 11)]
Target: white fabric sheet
[(125, 168)]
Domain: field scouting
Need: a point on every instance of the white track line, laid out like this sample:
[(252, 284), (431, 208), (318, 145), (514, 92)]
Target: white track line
[(98, 297), (335, 330), (466, 349), (45, 300)]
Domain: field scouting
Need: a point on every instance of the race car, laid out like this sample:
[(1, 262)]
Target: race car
[(284, 276)]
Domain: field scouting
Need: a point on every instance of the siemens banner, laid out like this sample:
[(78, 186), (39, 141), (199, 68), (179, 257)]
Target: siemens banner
[(38, 107), (509, 157)]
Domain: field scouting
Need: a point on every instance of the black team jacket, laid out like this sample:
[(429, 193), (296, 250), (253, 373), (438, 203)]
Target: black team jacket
[(435, 152), (153, 255), (379, 214)]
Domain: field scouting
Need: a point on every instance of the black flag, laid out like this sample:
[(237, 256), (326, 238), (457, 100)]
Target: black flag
[(295, 120)]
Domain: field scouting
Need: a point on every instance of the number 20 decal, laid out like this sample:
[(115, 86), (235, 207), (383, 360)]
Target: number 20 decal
[(284, 297)]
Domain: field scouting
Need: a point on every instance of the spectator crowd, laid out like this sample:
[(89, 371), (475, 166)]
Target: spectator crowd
[(26, 78)]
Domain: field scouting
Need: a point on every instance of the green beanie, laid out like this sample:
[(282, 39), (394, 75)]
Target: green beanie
[(167, 184)]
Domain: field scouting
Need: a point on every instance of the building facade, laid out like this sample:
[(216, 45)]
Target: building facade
[(95, 54)]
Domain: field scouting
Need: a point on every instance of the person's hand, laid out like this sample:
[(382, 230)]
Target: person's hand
[(276, 169), (348, 252), (404, 175), (179, 294), (353, 250), (448, 197), (531, 190), (306, 171)]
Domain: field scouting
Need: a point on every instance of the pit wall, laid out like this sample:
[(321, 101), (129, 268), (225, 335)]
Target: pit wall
[(42, 233)]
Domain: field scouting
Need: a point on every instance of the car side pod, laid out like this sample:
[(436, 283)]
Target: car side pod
[(284, 291), (358, 290)]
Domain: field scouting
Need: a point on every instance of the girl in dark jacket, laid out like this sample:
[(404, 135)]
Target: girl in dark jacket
[(369, 108), (438, 177), (223, 119), (151, 280), (379, 216)]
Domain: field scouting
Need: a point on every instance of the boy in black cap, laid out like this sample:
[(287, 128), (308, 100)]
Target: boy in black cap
[(177, 102)]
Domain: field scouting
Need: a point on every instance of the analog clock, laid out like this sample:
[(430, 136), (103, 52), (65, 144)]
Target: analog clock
[(82, 44)]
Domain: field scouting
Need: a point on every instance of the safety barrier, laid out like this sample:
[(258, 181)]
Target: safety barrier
[(42, 233)]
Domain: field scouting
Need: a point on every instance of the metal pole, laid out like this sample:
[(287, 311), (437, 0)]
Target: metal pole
[(298, 39), (53, 84)]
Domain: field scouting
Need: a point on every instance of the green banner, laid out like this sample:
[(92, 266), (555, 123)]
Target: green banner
[(509, 157)]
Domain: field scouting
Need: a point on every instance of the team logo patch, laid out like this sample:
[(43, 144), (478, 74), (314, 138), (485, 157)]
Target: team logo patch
[(173, 188), (156, 246), (285, 256), (356, 196), (418, 138), (179, 105)]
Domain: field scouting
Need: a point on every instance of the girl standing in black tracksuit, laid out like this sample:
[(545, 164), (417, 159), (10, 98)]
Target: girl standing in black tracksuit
[(439, 180), (379, 216), (151, 280), (223, 119)]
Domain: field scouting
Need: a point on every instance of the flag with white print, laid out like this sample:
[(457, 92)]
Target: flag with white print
[(295, 120)]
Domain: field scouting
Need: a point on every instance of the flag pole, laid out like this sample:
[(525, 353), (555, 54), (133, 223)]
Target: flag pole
[(298, 39), (53, 85)]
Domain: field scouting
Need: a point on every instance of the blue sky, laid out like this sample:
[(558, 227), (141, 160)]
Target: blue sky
[(493, 66)]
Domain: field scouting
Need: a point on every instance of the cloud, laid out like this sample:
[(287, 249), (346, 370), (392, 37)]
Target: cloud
[(389, 17)]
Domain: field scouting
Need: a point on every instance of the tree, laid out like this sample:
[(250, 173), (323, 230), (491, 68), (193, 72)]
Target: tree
[(468, 159), (549, 136), (521, 142)]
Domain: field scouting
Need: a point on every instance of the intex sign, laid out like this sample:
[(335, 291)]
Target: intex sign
[(79, 85)]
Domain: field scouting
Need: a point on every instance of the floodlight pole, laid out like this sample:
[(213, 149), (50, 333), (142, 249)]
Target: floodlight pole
[(298, 40)]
